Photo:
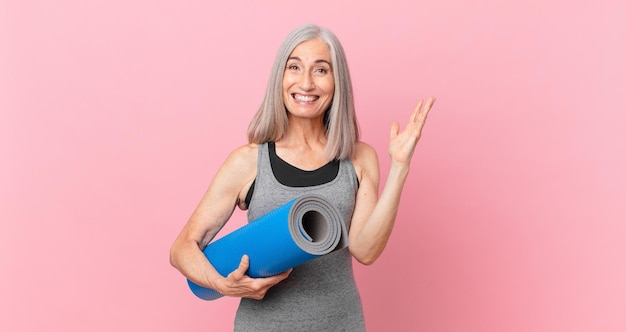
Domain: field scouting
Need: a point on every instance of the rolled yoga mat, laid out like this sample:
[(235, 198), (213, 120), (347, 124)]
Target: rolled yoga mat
[(295, 233)]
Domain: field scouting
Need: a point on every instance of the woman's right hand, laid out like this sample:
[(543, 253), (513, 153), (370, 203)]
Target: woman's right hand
[(238, 284)]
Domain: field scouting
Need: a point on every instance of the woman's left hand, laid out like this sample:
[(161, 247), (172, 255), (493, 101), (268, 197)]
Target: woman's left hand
[(402, 144)]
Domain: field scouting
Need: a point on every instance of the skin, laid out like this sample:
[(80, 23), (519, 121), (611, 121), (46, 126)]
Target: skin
[(308, 87)]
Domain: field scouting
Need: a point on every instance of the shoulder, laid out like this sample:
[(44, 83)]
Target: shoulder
[(364, 153), (243, 156), (364, 159), (241, 162), (239, 170)]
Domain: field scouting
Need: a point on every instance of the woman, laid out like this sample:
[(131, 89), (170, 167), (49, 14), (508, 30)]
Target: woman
[(303, 139)]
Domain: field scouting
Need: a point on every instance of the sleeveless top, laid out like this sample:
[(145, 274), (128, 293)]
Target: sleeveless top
[(320, 295)]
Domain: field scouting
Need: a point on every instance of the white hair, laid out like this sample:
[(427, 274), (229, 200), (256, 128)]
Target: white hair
[(271, 121)]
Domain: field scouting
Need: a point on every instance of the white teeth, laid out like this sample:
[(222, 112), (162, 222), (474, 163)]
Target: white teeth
[(304, 98)]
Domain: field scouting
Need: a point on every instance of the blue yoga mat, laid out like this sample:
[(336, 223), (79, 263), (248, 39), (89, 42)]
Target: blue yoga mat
[(295, 233)]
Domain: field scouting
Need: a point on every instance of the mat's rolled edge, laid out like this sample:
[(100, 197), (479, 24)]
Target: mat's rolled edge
[(336, 236)]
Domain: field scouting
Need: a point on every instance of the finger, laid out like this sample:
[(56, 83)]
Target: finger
[(429, 103), (240, 272), (273, 280), (395, 127), (284, 275), (416, 111), (280, 276), (423, 113)]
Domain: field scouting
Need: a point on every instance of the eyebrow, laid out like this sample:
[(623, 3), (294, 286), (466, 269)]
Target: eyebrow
[(316, 61)]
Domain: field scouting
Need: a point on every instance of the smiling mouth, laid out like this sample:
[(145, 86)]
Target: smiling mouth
[(303, 98)]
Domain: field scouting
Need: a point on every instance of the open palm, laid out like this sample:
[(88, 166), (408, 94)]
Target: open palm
[(402, 144)]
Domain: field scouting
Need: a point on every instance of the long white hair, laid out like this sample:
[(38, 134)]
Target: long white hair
[(271, 121)]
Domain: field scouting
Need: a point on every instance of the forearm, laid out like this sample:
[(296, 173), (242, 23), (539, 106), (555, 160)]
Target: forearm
[(372, 238), (191, 262)]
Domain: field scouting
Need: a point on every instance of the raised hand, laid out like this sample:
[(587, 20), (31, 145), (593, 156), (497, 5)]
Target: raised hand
[(402, 144)]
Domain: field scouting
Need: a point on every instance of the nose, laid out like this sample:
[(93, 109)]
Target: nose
[(306, 82)]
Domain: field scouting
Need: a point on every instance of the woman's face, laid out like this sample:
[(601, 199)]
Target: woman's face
[(308, 83)]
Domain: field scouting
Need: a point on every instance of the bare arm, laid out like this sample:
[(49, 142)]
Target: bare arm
[(214, 210), (374, 217)]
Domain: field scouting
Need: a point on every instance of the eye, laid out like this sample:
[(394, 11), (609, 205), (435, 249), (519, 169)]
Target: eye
[(322, 70), (292, 67)]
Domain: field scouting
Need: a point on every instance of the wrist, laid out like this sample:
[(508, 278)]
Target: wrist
[(398, 173), (399, 168)]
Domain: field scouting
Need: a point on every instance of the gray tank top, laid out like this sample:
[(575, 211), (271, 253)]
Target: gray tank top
[(320, 295)]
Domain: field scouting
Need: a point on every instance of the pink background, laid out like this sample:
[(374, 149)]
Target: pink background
[(114, 116)]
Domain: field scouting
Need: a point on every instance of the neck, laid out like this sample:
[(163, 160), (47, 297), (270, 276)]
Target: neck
[(304, 132)]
